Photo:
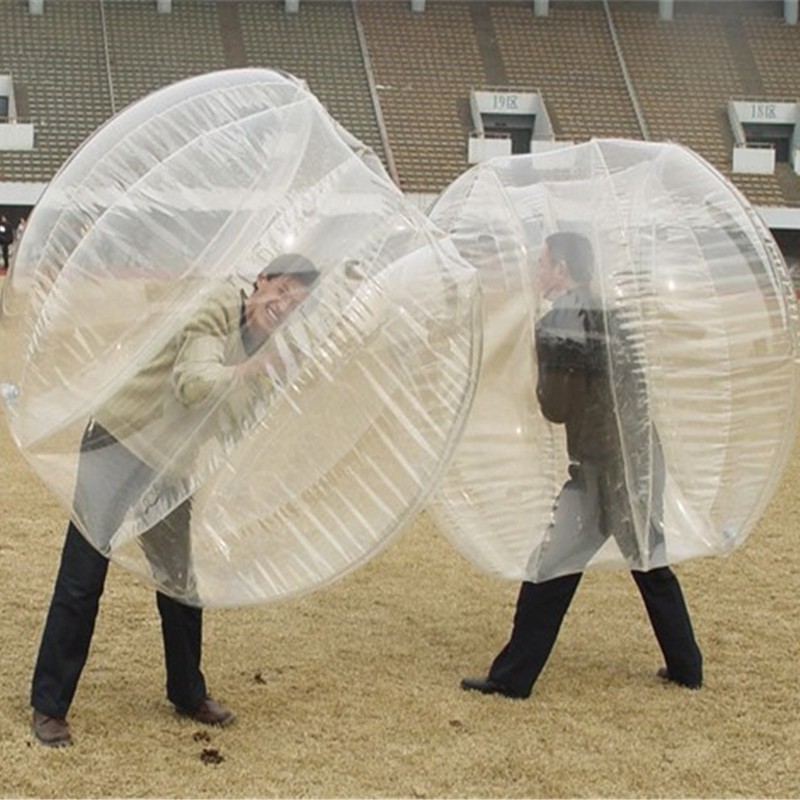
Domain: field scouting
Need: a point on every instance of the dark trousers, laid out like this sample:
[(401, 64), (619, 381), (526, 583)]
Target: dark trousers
[(541, 608), (73, 611)]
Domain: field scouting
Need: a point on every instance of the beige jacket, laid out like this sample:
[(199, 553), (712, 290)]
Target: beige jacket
[(188, 391)]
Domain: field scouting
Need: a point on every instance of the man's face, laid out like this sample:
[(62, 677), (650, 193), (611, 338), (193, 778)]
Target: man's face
[(551, 275), (272, 302)]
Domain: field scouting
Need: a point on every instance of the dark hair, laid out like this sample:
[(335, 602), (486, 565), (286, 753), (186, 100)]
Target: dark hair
[(293, 264), (575, 250)]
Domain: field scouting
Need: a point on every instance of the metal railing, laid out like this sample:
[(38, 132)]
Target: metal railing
[(637, 109), (376, 103), (107, 54)]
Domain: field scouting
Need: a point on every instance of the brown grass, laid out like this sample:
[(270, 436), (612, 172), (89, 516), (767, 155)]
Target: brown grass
[(352, 691)]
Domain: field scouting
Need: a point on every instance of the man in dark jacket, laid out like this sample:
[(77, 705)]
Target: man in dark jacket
[(607, 428)]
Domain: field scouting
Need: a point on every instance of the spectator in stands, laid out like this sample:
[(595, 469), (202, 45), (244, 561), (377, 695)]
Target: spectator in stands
[(573, 389), (6, 239), (218, 360)]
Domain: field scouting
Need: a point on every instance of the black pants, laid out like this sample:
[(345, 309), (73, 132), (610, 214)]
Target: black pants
[(541, 608), (73, 611)]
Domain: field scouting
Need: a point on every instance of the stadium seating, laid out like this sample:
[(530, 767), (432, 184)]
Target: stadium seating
[(400, 80)]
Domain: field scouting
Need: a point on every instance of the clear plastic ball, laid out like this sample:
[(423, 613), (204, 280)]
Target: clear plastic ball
[(142, 251), (700, 352)]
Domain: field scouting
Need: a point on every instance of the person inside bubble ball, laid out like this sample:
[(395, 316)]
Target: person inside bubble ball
[(574, 388), (216, 353), (6, 240)]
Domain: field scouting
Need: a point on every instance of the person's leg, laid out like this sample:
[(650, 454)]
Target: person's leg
[(69, 626), (541, 608), (576, 531), (573, 537), (669, 617), (168, 549), (182, 629), (79, 585)]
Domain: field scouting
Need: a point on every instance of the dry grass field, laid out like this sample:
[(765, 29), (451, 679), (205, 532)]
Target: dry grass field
[(352, 691)]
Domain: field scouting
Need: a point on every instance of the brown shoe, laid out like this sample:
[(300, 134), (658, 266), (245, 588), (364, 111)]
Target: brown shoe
[(209, 712), (50, 731)]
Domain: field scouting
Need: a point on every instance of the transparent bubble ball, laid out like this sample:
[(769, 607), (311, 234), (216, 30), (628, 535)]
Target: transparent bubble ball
[(138, 258), (700, 355)]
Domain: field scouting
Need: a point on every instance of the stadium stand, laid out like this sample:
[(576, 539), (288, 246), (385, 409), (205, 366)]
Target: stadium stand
[(149, 50), (57, 62), (569, 57), (424, 86), (321, 45), (401, 79), (775, 47), (686, 71)]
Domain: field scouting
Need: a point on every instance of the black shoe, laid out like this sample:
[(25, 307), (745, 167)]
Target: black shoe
[(50, 731), (488, 686), (663, 673)]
